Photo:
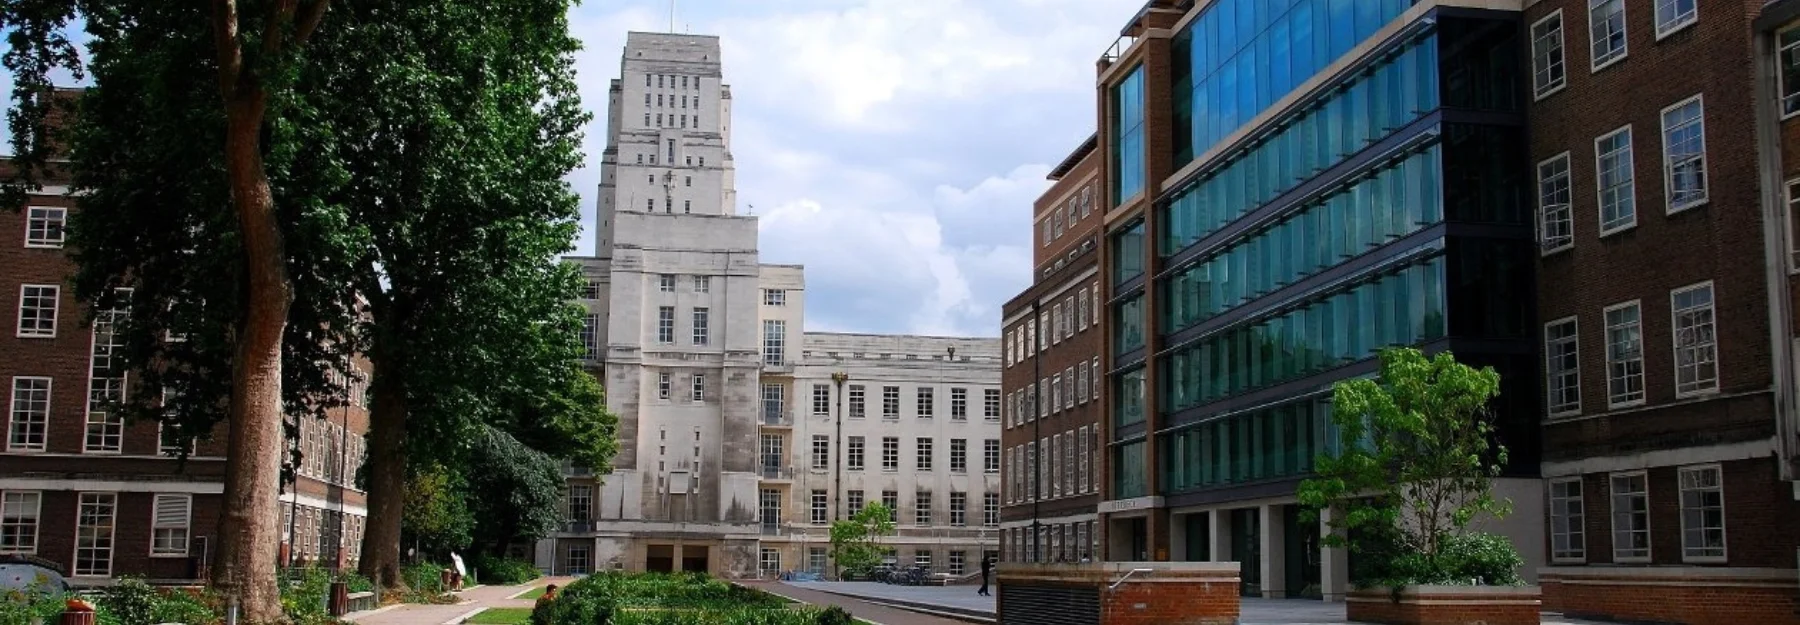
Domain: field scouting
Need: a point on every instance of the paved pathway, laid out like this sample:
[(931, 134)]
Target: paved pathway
[(472, 599), (878, 614), (961, 598)]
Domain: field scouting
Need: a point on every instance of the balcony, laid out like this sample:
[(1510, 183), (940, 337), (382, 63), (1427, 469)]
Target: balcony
[(775, 365), (777, 473), (1118, 49), (771, 529), (577, 527), (777, 419)]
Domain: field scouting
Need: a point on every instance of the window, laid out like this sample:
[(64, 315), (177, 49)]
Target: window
[(1081, 310), (890, 402), (664, 385), (1624, 356), (1081, 382), (1068, 322), (169, 525), (922, 507), (94, 518), (702, 284), (44, 226), (37, 310), (1056, 392), (774, 297), (1081, 466), (1793, 224), (959, 455), (1696, 347), (1787, 66), (990, 404), (890, 453), (701, 329), (925, 402), (957, 566), (578, 560), (1630, 517), (1562, 367), (1606, 30), (1056, 323), (858, 402), (855, 461), (990, 509), (1556, 220), (853, 502), (1068, 389), (1674, 15), (959, 509), (774, 402), (1702, 514), (664, 282), (1617, 185), (581, 502), (590, 289), (665, 325), (821, 401), (1548, 72), (1568, 540), (922, 461), (1044, 230), (774, 341), (990, 455), (688, 181), (699, 391), (1684, 153), (19, 513), (821, 451), (821, 513), (1128, 133), (30, 414), (590, 336), (891, 500), (769, 561), (959, 404)]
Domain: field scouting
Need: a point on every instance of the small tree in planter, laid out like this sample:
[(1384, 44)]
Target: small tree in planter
[(1414, 468), (855, 542)]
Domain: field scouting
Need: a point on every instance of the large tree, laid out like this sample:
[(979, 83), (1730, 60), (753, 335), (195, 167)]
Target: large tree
[(248, 48)]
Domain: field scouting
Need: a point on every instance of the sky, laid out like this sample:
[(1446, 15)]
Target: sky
[(894, 147)]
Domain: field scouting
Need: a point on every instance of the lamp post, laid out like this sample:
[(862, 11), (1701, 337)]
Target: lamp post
[(837, 467)]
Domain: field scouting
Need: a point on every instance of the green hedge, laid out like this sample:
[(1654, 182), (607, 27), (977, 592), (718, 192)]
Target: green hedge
[(673, 599), (504, 571)]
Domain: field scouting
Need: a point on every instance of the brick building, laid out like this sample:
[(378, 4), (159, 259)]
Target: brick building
[(1052, 377), (1667, 308), (98, 496)]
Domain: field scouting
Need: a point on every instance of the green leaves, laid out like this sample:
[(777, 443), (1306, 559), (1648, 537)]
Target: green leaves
[(855, 543), (1417, 454)]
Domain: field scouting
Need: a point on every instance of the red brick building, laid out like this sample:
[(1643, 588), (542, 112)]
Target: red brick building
[(101, 497), (1052, 380), (1666, 304)]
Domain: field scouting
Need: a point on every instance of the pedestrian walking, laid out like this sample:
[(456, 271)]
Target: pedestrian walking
[(987, 568)]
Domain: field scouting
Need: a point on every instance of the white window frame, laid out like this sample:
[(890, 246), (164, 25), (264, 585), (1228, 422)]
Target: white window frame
[(697, 391), (1630, 188), (1606, 341), (1541, 91), (1613, 512), (922, 500), (46, 215), (821, 400), (1550, 405), (665, 386), (702, 284), (36, 520), (14, 418), (1669, 163), (925, 402), (774, 297), (1595, 62), (1680, 22), (702, 321), (924, 454), (1575, 522), (1675, 339), (1793, 222), (159, 525), (111, 538), (1565, 211), (664, 282), (821, 452), (990, 456), (1789, 103), (1724, 539), (55, 311), (665, 325)]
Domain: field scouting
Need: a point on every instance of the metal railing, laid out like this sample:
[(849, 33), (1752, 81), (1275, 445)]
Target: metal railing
[(1118, 49)]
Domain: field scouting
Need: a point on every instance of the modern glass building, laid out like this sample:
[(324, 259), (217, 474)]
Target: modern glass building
[(1298, 183)]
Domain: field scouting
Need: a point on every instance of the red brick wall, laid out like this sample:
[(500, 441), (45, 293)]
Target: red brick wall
[(1469, 609), (1759, 509), (1171, 603), (131, 535), (1674, 599)]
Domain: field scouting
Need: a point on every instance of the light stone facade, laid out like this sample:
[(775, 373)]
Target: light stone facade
[(694, 339)]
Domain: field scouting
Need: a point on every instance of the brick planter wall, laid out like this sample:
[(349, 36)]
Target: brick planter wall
[(1445, 605), (1172, 593), (1686, 595)]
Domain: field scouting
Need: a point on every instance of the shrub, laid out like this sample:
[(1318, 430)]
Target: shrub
[(129, 602), (26, 608), (835, 616), (504, 571), (575, 605), (176, 606), (304, 594)]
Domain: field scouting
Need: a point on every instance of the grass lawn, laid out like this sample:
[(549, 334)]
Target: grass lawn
[(502, 616), (534, 594)]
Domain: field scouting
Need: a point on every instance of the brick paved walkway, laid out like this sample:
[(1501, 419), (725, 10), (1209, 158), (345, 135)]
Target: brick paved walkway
[(878, 614), (473, 599)]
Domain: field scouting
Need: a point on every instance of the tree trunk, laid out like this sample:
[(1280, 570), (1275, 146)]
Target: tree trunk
[(249, 531), (387, 475)]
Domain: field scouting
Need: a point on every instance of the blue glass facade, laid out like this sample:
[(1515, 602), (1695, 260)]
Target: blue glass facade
[(1389, 207), (1128, 136)]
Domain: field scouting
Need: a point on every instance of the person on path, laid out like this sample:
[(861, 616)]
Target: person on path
[(987, 568), (548, 596)]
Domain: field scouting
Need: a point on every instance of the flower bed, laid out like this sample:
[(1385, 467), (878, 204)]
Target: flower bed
[(680, 599)]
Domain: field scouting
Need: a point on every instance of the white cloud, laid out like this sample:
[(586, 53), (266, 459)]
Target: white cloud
[(895, 147)]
